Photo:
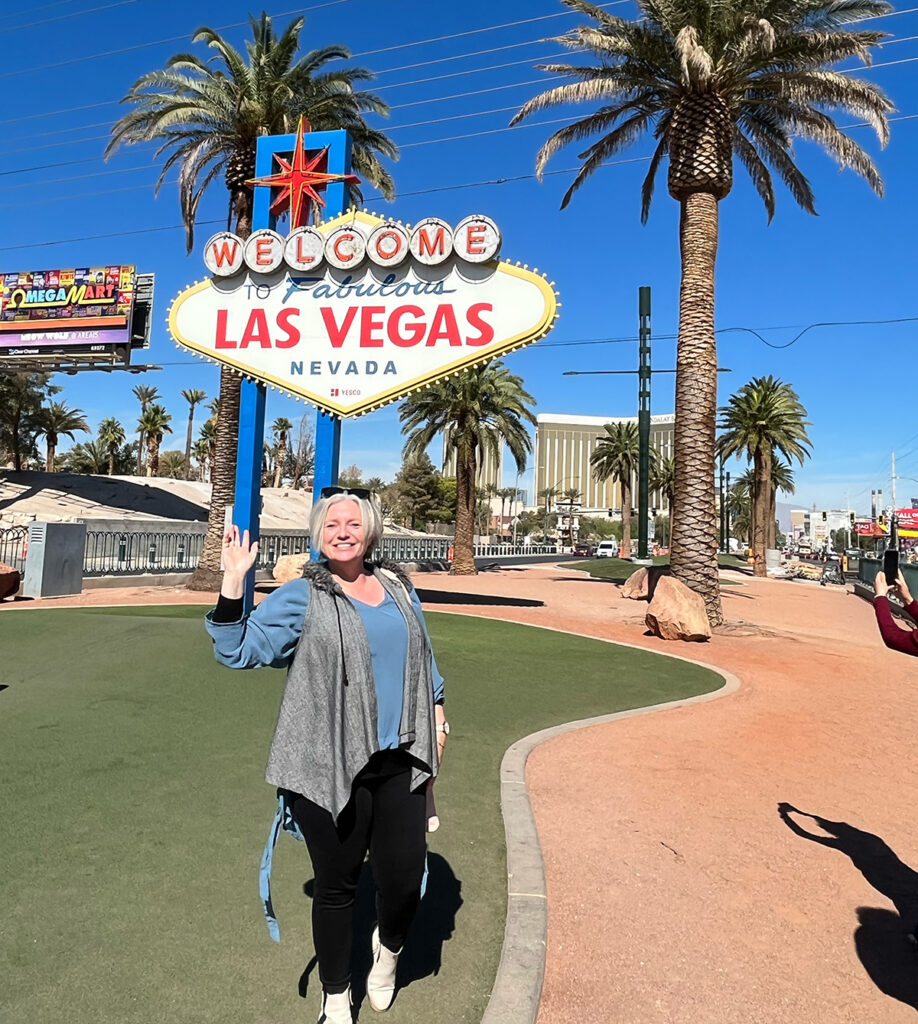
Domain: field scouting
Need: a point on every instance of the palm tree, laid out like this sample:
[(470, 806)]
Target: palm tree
[(56, 419), (765, 416), (145, 395), (475, 411), (193, 396), (201, 452), (172, 464), (549, 494), (505, 494), (739, 507), (782, 479), (281, 428), (663, 479), (87, 457), (111, 436), (570, 497), (711, 81), (617, 455), (154, 423), (208, 115)]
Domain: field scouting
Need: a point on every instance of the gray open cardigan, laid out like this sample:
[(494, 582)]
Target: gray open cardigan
[(326, 727)]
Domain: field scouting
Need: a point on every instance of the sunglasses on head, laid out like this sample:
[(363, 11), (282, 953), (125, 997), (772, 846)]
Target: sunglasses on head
[(354, 492)]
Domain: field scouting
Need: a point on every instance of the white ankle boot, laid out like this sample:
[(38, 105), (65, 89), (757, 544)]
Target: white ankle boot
[(336, 1008), (381, 979)]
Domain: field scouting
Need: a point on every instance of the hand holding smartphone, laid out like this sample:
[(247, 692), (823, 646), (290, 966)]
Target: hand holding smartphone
[(891, 566)]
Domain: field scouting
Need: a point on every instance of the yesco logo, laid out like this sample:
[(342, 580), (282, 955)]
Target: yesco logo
[(475, 239)]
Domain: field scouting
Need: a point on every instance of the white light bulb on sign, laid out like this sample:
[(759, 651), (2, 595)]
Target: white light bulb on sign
[(388, 245), (223, 254), (476, 239), (305, 249), (264, 251), (431, 241), (345, 248)]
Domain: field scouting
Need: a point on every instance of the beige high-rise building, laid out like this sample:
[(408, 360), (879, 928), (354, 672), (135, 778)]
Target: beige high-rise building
[(563, 446)]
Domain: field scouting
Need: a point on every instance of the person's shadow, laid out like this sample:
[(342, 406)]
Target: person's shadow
[(432, 927), (882, 937)]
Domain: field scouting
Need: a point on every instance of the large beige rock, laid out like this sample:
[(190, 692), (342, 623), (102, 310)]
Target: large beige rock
[(9, 580), (637, 586), (290, 567), (641, 585), (677, 613)]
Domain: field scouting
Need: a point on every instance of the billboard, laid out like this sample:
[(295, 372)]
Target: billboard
[(87, 308), (359, 311)]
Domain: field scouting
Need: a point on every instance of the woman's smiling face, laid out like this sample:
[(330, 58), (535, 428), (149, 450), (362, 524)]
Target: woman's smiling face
[(343, 536)]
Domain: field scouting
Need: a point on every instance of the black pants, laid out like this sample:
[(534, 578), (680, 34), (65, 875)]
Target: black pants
[(383, 817)]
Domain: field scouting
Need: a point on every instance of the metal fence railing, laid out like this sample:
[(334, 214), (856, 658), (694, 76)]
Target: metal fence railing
[(869, 567), (131, 552), (13, 546)]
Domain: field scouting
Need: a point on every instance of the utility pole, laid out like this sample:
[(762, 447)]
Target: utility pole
[(727, 517), (894, 481), (723, 505), (643, 421)]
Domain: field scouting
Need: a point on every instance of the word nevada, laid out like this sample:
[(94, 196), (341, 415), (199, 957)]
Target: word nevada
[(475, 239)]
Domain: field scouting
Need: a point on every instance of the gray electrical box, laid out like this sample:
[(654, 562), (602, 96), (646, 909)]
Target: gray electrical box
[(54, 560)]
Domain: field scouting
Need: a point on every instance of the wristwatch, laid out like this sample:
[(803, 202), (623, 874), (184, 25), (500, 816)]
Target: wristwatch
[(444, 728)]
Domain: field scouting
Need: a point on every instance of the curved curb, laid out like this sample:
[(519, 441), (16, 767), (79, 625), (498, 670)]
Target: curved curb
[(520, 973)]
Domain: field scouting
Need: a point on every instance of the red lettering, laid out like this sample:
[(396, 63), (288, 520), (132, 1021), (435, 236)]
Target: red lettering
[(225, 252), (444, 326), (302, 257), (345, 257), (397, 331), (436, 247), (474, 239), (256, 330), (485, 330), (263, 247), (220, 338), (369, 324), (389, 253), (291, 331), (336, 334)]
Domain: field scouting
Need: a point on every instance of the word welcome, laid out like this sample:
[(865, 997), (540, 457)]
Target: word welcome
[(475, 239)]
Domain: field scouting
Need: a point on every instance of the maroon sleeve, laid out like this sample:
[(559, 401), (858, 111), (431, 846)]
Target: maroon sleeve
[(895, 638)]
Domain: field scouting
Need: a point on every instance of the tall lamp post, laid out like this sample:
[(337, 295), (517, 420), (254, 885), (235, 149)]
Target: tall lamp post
[(644, 372)]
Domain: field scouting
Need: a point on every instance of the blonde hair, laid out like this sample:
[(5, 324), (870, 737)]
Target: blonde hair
[(370, 518)]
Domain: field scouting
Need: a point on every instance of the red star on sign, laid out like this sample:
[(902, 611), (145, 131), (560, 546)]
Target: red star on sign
[(299, 180)]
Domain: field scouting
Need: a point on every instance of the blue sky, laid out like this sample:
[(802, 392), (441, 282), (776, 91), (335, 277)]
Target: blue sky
[(454, 75)]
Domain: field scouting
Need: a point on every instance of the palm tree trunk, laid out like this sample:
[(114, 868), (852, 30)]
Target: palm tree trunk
[(49, 460), (761, 509), (464, 540), (772, 540), (111, 461), (281, 460), (188, 441), (670, 512), (140, 446), (694, 547), (626, 518), (207, 575)]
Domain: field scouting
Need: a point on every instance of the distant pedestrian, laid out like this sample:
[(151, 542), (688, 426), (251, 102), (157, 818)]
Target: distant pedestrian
[(898, 639)]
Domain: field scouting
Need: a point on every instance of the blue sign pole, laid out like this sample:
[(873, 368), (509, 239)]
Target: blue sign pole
[(247, 507)]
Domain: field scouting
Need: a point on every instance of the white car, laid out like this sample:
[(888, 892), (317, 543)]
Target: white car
[(607, 549)]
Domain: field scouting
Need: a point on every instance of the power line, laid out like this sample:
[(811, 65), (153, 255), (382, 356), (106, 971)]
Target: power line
[(330, 3), (65, 17)]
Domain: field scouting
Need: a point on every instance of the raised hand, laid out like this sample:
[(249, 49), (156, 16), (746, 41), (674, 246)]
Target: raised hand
[(238, 558), (902, 587)]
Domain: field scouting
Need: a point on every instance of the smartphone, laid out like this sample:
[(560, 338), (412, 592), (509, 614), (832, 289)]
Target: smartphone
[(891, 565)]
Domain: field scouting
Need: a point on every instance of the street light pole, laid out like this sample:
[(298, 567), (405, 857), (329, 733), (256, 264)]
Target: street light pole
[(643, 419), (727, 516)]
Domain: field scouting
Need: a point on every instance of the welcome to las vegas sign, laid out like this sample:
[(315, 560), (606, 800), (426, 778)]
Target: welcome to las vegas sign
[(360, 311)]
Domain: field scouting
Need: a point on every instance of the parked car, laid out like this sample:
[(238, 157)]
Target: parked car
[(583, 550), (607, 549)]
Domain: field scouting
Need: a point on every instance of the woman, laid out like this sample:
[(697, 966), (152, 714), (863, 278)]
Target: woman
[(360, 732), (898, 639)]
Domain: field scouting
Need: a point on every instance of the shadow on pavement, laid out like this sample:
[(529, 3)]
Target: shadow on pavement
[(449, 597), (882, 939), (432, 927)]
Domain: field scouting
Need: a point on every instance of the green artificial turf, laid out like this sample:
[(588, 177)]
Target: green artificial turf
[(619, 569), (134, 813)]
